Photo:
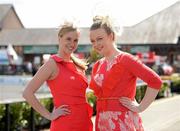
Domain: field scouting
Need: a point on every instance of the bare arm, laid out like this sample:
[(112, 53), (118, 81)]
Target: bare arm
[(149, 97), (44, 73), (41, 76)]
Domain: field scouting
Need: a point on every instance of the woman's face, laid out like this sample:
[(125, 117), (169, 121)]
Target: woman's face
[(68, 42), (101, 41)]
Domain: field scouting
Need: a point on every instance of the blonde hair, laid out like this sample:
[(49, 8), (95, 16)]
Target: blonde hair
[(103, 22), (79, 63), (69, 27)]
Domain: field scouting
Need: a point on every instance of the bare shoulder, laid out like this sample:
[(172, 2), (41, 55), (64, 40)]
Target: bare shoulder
[(50, 64), (51, 67)]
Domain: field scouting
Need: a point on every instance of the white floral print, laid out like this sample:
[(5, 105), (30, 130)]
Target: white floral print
[(119, 121), (98, 78), (106, 120)]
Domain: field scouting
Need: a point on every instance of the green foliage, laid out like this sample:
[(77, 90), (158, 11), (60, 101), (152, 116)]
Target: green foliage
[(2, 117), (163, 89), (91, 98), (20, 115), (94, 56), (140, 92), (175, 83)]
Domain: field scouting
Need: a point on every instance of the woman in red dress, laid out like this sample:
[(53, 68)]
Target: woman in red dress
[(114, 82), (65, 77)]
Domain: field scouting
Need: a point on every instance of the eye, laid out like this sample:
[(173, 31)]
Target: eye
[(99, 39), (68, 39), (92, 41), (76, 40)]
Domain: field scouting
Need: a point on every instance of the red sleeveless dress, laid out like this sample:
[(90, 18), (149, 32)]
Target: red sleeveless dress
[(68, 88)]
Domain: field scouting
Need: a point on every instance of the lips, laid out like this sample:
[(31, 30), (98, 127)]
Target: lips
[(99, 48), (70, 48)]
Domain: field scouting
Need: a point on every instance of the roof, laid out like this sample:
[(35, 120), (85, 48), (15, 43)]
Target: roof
[(4, 9), (34, 36), (161, 28)]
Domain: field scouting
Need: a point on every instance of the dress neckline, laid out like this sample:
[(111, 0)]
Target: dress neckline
[(109, 64), (61, 59)]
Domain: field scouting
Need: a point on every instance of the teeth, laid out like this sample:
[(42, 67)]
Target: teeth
[(71, 48), (99, 49)]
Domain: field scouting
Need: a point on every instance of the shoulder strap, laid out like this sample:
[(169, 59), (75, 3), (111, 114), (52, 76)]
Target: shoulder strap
[(56, 58)]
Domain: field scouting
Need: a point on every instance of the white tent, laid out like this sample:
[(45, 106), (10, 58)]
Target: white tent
[(14, 58), (12, 52)]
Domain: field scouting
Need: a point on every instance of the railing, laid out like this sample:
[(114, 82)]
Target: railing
[(11, 88), (8, 101)]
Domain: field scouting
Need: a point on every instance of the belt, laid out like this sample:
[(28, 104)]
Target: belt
[(108, 98), (102, 102)]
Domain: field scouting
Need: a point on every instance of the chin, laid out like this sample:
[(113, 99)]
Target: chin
[(101, 52), (69, 52)]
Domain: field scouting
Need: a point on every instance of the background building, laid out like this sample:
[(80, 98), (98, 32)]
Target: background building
[(159, 33)]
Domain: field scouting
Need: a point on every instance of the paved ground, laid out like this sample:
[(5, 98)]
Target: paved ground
[(162, 115), (173, 127)]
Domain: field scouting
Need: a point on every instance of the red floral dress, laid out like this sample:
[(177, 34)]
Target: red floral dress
[(113, 80), (68, 88)]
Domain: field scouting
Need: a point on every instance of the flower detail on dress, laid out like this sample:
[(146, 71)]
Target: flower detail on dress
[(106, 120), (133, 120), (119, 121), (98, 78)]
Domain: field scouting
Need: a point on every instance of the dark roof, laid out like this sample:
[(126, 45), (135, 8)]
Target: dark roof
[(162, 28)]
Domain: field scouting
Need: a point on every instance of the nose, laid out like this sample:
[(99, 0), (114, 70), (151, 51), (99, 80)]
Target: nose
[(95, 44), (73, 43)]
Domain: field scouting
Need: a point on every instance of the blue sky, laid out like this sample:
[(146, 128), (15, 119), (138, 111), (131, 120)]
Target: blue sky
[(51, 13)]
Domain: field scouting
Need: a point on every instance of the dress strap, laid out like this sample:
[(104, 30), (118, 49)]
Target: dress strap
[(56, 58)]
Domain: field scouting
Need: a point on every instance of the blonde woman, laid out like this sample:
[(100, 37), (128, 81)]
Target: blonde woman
[(65, 77), (114, 82)]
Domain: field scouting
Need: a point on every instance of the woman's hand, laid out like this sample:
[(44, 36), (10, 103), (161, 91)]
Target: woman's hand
[(60, 111), (130, 104)]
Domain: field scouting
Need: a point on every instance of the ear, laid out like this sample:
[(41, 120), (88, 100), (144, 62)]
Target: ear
[(79, 34), (59, 39), (111, 36)]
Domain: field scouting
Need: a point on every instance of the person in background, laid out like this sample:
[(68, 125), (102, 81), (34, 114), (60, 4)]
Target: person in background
[(65, 77), (34, 68), (113, 81)]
